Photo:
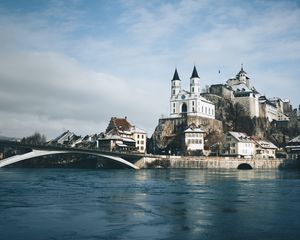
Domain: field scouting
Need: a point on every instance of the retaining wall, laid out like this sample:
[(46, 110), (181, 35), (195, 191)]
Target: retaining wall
[(212, 162)]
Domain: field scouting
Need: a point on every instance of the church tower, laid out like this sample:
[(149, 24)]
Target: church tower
[(195, 83), (176, 84)]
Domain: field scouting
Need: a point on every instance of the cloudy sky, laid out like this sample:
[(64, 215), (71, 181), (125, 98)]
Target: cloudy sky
[(74, 64)]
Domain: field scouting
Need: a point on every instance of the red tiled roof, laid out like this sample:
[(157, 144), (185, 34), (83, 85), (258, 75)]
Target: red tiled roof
[(118, 124), (122, 124)]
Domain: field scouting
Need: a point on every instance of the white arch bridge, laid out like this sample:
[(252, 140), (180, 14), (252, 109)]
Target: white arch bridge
[(39, 153)]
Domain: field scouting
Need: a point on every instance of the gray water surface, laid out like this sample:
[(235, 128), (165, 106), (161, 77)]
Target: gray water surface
[(149, 204)]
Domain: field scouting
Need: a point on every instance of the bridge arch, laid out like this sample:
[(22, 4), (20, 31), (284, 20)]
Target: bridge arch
[(40, 153), (244, 166)]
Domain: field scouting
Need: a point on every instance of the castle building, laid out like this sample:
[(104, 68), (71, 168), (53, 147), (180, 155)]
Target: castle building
[(189, 103), (244, 94)]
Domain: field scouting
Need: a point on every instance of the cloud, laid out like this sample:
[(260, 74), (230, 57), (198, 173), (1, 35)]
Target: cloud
[(55, 87), (76, 65)]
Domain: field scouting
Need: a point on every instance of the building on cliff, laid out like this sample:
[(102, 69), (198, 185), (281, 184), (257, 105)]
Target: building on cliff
[(239, 90), (244, 94), (192, 117), (189, 103), (120, 135)]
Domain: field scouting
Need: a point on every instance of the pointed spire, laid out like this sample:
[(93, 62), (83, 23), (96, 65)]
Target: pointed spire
[(242, 69), (176, 77), (195, 73)]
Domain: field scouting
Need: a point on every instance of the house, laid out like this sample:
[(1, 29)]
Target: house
[(265, 149), (293, 148), (120, 135), (67, 138), (140, 137), (116, 143), (194, 140), (238, 144)]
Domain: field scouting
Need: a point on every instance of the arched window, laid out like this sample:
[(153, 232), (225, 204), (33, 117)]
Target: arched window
[(184, 108)]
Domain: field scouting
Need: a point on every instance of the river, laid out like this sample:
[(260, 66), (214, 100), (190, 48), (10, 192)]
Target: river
[(149, 204)]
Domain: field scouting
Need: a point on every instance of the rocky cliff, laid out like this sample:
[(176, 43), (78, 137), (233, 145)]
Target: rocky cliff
[(230, 116)]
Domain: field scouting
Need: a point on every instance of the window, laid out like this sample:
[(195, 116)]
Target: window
[(193, 109), (192, 89), (173, 91), (233, 144), (138, 142), (142, 136), (138, 136), (142, 148), (142, 142), (193, 103), (173, 104)]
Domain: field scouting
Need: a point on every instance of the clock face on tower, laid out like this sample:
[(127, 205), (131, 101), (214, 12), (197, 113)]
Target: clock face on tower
[(182, 97)]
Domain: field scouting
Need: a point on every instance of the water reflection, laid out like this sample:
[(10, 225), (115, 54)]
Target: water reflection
[(149, 204)]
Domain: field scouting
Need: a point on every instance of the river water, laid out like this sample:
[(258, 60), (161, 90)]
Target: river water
[(149, 204)]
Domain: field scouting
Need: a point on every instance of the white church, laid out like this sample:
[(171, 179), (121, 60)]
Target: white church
[(189, 103)]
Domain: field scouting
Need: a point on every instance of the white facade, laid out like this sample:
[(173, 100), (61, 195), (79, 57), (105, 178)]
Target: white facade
[(265, 149), (189, 103), (194, 139), (140, 138), (238, 144)]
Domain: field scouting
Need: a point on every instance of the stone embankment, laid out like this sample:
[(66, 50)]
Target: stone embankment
[(159, 161)]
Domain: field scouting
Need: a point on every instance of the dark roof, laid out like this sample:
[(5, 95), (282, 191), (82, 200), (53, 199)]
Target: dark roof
[(195, 73), (120, 124), (175, 77), (241, 71)]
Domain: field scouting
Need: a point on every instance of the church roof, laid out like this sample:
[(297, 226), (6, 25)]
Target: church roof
[(195, 73), (176, 77)]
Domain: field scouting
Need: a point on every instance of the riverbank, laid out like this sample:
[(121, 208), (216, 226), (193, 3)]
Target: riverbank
[(202, 162)]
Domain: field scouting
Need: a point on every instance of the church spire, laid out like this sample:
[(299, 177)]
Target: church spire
[(176, 77), (195, 73)]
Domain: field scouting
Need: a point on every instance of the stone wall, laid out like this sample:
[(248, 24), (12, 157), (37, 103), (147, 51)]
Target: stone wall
[(212, 162)]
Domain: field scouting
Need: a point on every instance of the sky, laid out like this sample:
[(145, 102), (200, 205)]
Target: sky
[(72, 65)]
